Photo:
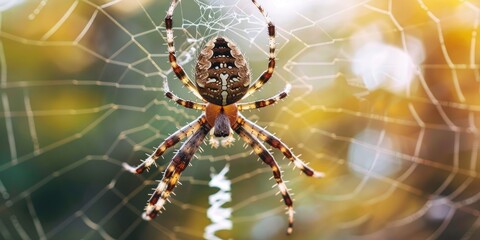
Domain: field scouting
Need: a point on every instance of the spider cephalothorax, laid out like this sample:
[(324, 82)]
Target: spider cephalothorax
[(222, 78), (222, 75)]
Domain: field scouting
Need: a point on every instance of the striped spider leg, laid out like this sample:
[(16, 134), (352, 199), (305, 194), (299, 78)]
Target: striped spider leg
[(251, 133), (273, 141), (180, 101), (169, 142), (172, 173), (267, 158), (266, 75), (265, 102), (177, 69)]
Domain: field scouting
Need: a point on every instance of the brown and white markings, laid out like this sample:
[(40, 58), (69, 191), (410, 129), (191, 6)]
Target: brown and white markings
[(222, 78)]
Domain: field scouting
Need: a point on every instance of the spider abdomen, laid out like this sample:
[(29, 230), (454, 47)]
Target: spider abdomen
[(222, 75)]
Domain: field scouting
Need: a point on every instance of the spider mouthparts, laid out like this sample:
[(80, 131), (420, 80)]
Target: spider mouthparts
[(220, 133)]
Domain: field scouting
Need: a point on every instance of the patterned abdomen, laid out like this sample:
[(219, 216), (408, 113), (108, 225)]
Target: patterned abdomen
[(222, 75)]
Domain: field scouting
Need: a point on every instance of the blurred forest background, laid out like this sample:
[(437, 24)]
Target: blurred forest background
[(385, 101)]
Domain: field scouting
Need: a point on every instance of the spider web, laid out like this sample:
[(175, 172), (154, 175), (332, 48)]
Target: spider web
[(385, 101)]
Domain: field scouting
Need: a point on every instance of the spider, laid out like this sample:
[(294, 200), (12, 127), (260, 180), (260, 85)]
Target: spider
[(222, 78)]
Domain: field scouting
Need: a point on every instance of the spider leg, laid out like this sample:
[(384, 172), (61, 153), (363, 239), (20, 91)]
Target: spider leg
[(273, 141), (180, 101), (271, 58), (265, 102), (177, 69), (167, 143), (267, 158), (172, 173)]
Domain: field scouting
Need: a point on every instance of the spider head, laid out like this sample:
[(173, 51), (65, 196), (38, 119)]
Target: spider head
[(221, 74)]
